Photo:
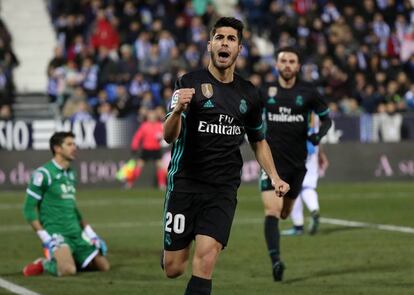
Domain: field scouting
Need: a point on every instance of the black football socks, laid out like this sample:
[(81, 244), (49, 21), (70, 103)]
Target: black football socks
[(272, 236), (198, 286)]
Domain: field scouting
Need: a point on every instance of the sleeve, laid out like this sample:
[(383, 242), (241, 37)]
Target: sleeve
[(321, 109), (30, 206), (254, 121), (39, 182), (319, 106), (136, 140), (171, 105)]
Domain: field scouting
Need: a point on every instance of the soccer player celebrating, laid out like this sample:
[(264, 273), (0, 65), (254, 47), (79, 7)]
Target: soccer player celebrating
[(288, 104), (211, 111), (70, 243)]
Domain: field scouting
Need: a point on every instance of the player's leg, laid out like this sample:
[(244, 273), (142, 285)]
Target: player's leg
[(136, 173), (87, 256), (310, 198), (297, 219), (207, 251), (41, 265), (309, 194), (65, 264), (180, 210), (99, 263), (175, 262), (275, 209), (212, 233), (161, 174), (272, 208), (58, 263)]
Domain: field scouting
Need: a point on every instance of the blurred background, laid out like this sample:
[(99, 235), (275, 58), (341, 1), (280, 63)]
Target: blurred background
[(98, 66)]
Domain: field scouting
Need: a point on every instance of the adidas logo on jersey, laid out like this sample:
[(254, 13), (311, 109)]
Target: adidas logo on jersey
[(271, 100), (208, 104)]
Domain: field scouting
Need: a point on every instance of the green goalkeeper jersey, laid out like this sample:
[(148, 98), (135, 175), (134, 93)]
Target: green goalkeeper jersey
[(53, 190)]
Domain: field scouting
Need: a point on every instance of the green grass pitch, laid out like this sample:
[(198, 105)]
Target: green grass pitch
[(338, 260)]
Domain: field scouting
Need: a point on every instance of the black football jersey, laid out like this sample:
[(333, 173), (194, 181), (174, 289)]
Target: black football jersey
[(287, 114), (206, 156)]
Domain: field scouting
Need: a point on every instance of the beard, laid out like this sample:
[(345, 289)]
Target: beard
[(287, 76), (69, 157), (214, 58)]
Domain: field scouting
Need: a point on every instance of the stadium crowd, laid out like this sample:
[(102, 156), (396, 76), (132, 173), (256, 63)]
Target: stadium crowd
[(8, 61), (117, 58)]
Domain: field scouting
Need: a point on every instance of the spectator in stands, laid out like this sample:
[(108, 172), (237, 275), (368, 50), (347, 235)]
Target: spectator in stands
[(89, 76), (153, 64), (127, 65), (104, 33), (82, 112), (389, 123), (409, 98), (342, 40), (125, 105)]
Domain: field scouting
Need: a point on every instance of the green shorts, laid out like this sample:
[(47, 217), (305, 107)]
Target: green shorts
[(81, 247)]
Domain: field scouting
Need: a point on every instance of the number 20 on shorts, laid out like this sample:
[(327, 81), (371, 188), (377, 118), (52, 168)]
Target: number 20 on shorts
[(175, 223)]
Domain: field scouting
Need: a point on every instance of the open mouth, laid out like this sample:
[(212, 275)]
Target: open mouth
[(223, 56)]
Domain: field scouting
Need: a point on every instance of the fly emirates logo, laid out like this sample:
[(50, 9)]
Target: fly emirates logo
[(224, 126), (285, 115)]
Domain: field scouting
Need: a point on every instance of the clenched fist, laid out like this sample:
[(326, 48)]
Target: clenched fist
[(181, 98)]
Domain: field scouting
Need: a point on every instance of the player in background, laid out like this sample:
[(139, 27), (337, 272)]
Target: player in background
[(69, 242), (211, 111), (288, 104), (316, 165), (148, 139)]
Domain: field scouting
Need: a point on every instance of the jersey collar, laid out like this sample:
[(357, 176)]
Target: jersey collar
[(57, 165)]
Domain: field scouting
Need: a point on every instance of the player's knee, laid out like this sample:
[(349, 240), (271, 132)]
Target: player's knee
[(173, 273), (105, 266), (67, 270), (272, 212), (205, 262), (173, 270)]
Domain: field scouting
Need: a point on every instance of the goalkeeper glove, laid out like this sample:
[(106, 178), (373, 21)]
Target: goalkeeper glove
[(96, 240), (49, 243), (314, 138)]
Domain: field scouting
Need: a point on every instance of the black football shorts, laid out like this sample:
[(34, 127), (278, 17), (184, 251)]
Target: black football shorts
[(148, 155), (189, 214), (293, 177)]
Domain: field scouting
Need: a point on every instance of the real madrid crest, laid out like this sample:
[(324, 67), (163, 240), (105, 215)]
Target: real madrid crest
[(243, 106), (299, 100), (272, 91), (207, 90)]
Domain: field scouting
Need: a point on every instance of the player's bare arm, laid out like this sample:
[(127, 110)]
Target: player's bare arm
[(265, 159), (172, 125)]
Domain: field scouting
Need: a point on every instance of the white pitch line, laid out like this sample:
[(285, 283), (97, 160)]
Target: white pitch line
[(245, 221), (16, 289), (95, 203), (349, 223)]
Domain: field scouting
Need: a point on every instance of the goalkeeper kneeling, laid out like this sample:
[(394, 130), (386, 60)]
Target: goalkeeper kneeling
[(69, 243)]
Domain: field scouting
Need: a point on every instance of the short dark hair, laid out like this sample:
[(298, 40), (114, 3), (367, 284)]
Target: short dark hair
[(288, 49), (58, 138), (229, 22)]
